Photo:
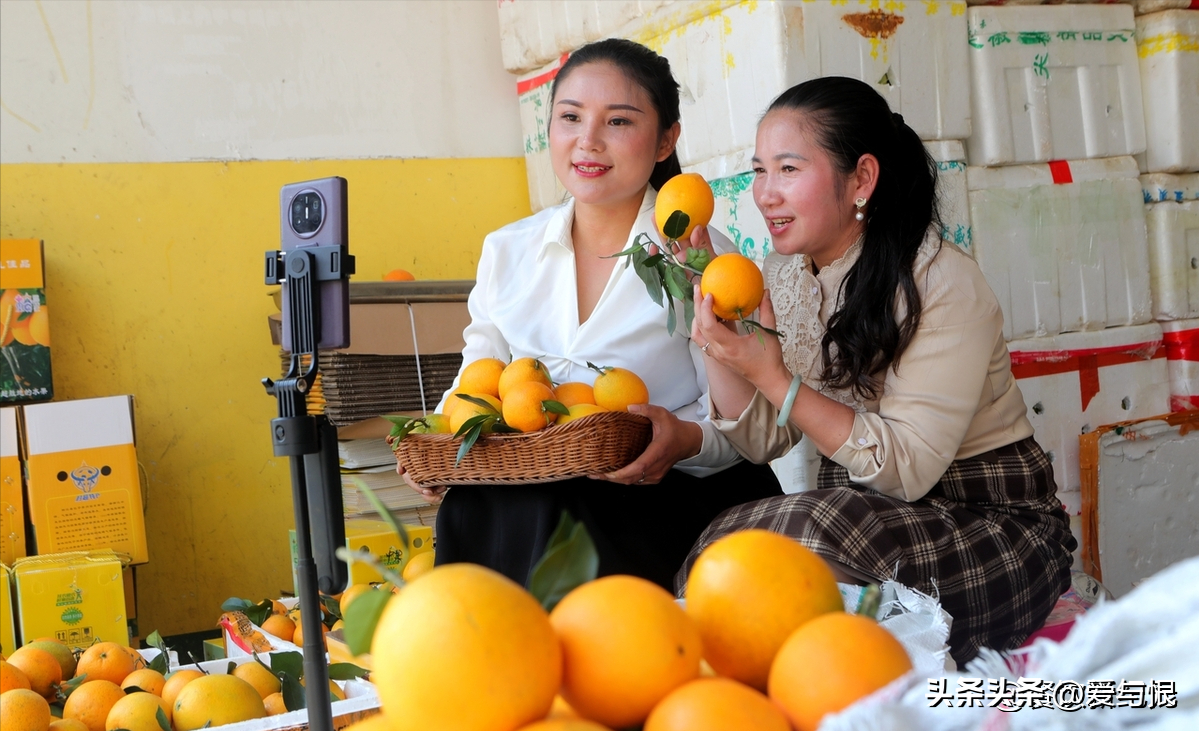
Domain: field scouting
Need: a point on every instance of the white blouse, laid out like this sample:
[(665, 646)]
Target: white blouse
[(525, 304)]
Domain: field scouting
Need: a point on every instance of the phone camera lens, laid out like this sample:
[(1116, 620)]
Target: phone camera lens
[(307, 213)]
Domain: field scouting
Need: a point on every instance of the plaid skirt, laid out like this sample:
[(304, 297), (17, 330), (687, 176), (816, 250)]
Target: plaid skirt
[(990, 540)]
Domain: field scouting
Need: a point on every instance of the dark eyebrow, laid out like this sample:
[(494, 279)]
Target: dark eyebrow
[(782, 156), (621, 107)]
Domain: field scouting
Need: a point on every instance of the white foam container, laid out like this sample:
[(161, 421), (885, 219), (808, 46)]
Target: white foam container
[(952, 191), (1165, 187), (1182, 363), (1168, 46), (533, 94), (1173, 235), (1062, 257), (1144, 7), (1127, 390), (1053, 82), (535, 32)]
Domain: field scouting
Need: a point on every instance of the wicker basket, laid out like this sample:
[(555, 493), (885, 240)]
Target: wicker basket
[(590, 445)]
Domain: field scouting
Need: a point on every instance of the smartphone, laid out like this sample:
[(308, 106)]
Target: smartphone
[(316, 213)]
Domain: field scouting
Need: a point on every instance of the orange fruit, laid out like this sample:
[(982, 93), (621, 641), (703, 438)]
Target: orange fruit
[(40, 667), (565, 724), (274, 704), (11, 677), (573, 392), (215, 700), (25, 710), (736, 285), (91, 702), (398, 275), (715, 704), (278, 607), (578, 411), (618, 388), (562, 709), (418, 566), (67, 724), (350, 594), (176, 681), (482, 376), (20, 331), (280, 626), (689, 193), (521, 370), (830, 662), (257, 675), (105, 661), (625, 645), (298, 637), (466, 409), (39, 326), (61, 652), (148, 680), (479, 628), (138, 712), (523, 408), (748, 592)]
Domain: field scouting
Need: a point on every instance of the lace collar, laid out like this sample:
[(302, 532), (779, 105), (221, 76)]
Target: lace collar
[(804, 301)]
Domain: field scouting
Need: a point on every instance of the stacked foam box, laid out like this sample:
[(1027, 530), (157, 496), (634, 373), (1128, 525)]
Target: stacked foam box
[(1168, 46)]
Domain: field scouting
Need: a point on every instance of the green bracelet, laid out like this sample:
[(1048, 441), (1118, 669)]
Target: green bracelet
[(785, 411)]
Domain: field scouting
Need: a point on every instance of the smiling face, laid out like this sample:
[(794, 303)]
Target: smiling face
[(808, 205), (604, 136)]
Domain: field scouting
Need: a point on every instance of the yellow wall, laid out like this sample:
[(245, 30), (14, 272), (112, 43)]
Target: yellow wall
[(155, 288)]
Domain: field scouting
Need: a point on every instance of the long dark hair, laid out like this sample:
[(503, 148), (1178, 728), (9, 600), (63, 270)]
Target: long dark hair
[(849, 119), (646, 69)]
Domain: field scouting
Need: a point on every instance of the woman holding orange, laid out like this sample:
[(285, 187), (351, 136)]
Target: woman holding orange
[(893, 363), (549, 288)]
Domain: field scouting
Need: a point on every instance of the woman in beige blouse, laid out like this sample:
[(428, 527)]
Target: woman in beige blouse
[(893, 363)]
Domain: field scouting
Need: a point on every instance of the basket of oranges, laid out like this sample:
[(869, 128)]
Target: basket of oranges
[(508, 424)]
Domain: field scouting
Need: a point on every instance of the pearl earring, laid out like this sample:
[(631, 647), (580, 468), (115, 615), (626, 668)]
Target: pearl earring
[(860, 203)]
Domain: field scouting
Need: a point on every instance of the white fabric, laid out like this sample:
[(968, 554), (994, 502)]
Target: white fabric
[(525, 304)]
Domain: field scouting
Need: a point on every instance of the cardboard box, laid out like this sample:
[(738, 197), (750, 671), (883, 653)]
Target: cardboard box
[(24, 323), (8, 630), (84, 490), (12, 498), (77, 598), (374, 536)]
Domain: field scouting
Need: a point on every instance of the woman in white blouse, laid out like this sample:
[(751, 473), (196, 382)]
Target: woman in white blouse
[(893, 363), (548, 287)]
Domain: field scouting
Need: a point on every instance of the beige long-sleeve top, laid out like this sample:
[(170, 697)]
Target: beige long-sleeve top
[(952, 397)]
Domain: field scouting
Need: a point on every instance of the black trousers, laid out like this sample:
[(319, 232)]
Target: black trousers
[(642, 530)]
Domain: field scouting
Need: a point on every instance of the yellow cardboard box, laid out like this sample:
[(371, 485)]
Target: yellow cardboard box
[(24, 323), (8, 631), (12, 500), (84, 491), (78, 598), (368, 535)]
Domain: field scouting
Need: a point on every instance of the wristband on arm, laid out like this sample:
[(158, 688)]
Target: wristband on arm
[(785, 411)]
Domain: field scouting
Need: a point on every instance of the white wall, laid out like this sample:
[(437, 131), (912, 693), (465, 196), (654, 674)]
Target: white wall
[(161, 81)]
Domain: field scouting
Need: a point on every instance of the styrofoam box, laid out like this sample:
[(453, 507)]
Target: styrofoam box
[(1173, 235), (533, 93), (1058, 82), (1144, 7), (535, 32), (1147, 506), (1165, 187), (1182, 363), (798, 469), (1062, 257), (1127, 390), (730, 65), (736, 214), (1168, 46)]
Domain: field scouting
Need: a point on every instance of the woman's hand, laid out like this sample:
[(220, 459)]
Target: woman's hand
[(756, 357), (673, 440), (431, 495)]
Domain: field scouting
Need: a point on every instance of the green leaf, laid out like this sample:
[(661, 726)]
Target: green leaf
[(332, 607), (501, 428), (671, 318), (649, 275), (161, 716), (555, 407), (161, 663), (698, 259), (234, 604), (689, 312), (477, 402), (131, 689), (361, 618), (293, 692), (378, 506), (400, 426), (288, 663), (654, 260), (675, 225), (468, 439), (346, 671), (260, 611), (677, 283), (472, 424), (570, 560)]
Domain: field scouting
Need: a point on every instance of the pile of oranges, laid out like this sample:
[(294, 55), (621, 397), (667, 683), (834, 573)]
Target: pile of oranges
[(761, 642), (522, 396)]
